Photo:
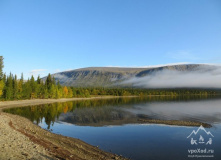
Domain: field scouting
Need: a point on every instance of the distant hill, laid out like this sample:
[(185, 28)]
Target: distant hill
[(116, 77)]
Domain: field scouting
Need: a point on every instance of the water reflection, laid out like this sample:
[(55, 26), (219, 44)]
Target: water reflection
[(114, 126), (125, 111)]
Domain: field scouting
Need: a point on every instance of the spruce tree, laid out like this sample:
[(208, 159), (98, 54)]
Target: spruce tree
[(4, 78), (20, 87), (15, 87), (48, 81), (8, 91), (27, 90), (33, 86), (38, 80)]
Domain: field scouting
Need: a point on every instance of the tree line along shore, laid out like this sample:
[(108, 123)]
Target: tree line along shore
[(12, 88)]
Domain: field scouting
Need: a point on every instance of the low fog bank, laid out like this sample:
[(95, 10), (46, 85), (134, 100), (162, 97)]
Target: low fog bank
[(60, 76), (201, 78)]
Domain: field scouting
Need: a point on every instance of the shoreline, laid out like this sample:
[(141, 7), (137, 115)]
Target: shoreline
[(33, 142), (21, 139), (31, 102)]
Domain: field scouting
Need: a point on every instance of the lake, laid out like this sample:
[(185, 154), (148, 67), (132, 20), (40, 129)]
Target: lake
[(137, 128)]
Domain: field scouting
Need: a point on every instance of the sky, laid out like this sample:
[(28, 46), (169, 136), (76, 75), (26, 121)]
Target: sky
[(48, 36)]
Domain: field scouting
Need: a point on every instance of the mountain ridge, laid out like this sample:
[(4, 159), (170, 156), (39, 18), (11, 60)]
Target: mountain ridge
[(116, 76)]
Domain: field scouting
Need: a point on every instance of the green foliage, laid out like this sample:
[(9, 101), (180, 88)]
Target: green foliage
[(11, 89), (70, 93), (8, 89), (27, 90), (1, 87), (15, 88)]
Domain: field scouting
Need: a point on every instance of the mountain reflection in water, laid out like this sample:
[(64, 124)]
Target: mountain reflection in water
[(117, 125), (120, 111)]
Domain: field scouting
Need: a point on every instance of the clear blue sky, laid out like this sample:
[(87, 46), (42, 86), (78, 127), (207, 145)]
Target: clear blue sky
[(42, 36)]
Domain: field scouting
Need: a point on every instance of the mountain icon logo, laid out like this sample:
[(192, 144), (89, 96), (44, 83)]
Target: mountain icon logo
[(201, 130)]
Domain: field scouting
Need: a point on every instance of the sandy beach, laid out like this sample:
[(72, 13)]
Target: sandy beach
[(21, 139)]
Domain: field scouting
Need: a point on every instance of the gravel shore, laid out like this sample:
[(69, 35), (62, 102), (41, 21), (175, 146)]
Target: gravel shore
[(15, 145), (21, 139)]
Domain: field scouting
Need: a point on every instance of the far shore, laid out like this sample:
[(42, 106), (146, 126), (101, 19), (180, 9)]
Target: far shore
[(31, 102)]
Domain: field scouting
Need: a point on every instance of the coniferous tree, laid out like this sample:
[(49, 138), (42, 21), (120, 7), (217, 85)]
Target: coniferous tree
[(52, 91), (15, 87), (8, 90), (38, 80), (42, 89), (53, 81), (39, 84), (4, 78), (2, 85), (58, 93), (58, 84), (48, 81), (27, 90), (20, 87), (33, 86), (45, 92)]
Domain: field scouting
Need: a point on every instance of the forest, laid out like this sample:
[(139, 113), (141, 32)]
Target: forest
[(12, 88)]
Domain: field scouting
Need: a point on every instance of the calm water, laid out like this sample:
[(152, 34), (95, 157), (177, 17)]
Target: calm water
[(114, 125)]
